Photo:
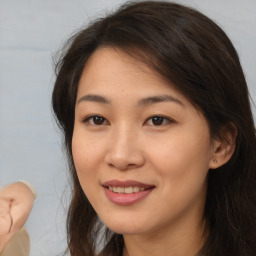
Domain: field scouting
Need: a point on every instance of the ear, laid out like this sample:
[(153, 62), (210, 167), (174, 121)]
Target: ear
[(223, 147)]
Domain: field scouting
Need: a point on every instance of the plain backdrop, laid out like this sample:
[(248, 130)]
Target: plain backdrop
[(31, 33)]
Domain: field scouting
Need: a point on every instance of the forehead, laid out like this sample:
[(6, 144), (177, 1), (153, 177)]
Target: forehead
[(111, 69)]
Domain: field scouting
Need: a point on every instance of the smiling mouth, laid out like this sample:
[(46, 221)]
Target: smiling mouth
[(126, 190), (126, 187)]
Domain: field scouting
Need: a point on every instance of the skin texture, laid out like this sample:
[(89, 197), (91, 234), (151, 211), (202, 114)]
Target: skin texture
[(126, 144), (16, 202)]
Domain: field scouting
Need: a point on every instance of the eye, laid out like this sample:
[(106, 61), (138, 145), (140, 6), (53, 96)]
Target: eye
[(96, 120), (158, 120)]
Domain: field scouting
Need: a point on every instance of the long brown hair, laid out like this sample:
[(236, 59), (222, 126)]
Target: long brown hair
[(192, 52)]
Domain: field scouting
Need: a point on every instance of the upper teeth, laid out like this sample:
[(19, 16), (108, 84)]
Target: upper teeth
[(126, 190)]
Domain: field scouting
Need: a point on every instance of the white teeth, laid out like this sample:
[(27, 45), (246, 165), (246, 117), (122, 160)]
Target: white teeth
[(120, 190), (136, 189), (126, 190)]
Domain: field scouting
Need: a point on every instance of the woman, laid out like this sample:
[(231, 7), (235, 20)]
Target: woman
[(159, 134)]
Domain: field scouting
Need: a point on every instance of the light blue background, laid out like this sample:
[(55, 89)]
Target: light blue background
[(31, 33)]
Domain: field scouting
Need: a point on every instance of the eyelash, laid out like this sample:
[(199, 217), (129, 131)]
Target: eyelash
[(89, 120), (164, 119), (92, 120)]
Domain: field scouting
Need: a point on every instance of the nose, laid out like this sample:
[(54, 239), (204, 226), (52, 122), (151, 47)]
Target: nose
[(125, 150)]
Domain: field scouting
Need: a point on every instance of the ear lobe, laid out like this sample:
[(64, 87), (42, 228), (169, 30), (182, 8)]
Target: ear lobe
[(224, 147)]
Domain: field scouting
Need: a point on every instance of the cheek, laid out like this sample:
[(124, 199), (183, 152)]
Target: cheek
[(182, 159), (182, 176), (85, 159), (86, 151), (88, 154)]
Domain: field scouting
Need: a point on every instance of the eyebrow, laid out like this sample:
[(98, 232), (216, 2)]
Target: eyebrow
[(158, 99), (144, 101), (94, 98)]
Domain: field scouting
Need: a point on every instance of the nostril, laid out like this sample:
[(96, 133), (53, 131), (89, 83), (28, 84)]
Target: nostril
[(123, 166)]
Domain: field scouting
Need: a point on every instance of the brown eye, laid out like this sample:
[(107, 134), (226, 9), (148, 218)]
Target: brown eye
[(95, 120), (158, 120), (98, 120)]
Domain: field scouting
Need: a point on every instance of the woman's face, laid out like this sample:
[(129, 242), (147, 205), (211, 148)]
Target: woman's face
[(141, 150)]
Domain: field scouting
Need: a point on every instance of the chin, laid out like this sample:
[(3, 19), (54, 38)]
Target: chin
[(127, 231), (127, 228)]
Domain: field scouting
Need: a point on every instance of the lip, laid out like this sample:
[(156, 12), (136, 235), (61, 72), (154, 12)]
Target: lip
[(123, 198)]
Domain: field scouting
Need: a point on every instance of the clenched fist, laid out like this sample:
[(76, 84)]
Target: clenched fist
[(16, 201)]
